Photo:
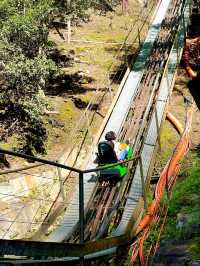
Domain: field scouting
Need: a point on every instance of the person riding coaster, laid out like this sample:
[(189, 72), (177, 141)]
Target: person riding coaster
[(110, 152)]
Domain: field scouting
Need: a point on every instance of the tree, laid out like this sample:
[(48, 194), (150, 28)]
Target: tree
[(77, 10), (72, 11), (24, 63), (22, 99), (28, 31), (24, 67)]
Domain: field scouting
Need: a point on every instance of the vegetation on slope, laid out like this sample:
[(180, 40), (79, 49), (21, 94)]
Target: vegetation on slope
[(180, 241), (24, 68), (26, 63)]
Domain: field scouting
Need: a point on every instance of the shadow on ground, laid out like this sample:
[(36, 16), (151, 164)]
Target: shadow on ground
[(68, 85), (127, 60)]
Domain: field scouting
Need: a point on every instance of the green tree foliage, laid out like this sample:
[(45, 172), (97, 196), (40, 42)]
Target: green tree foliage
[(25, 63), (26, 34), (22, 98), (5, 11), (28, 28), (23, 76), (24, 67), (77, 10)]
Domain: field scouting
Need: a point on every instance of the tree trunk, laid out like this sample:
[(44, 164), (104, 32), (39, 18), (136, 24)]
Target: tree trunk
[(69, 24), (69, 31)]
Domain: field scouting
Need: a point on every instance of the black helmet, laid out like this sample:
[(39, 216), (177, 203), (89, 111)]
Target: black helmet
[(110, 136)]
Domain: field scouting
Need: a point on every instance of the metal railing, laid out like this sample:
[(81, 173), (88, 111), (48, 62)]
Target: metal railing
[(81, 180)]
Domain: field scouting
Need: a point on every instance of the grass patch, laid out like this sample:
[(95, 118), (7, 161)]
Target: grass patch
[(62, 48), (86, 97), (66, 111), (186, 192), (67, 116), (12, 141), (81, 49), (169, 139), (184, 203)]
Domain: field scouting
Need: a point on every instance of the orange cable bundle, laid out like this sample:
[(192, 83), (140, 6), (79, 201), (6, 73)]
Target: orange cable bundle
[(167, 179)]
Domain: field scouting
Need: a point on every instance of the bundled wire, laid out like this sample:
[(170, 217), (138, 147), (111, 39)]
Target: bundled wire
[(166, 180)]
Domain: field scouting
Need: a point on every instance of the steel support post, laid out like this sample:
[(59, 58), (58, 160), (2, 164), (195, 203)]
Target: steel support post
[(177, 50), (143, 183), (178, 53), (157, 128), (81, 212), (167, 79)]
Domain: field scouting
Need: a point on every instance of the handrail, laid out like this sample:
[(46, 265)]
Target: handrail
[(110, 165), (43, 161), (33, 158), (20, 169), (37, 248)]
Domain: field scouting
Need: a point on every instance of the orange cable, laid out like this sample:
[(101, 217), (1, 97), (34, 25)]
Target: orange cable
[(168, 175)]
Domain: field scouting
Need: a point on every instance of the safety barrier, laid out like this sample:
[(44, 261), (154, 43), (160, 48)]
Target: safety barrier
[(7, 247), (167, 179)]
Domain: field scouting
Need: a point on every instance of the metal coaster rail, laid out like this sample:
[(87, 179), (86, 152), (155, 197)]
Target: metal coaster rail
[(150, 82), (73, 169)]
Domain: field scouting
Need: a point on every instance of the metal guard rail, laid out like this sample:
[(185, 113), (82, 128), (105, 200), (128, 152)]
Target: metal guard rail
[(33, 248)]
